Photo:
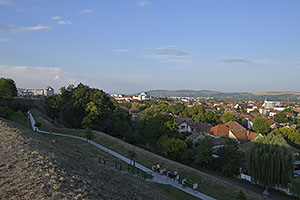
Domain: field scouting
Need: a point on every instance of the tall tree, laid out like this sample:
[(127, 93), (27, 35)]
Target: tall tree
[(193, 111), (291, 135), (227, 117), (52, 106), (7, 89), (171, 146), (158, 126), (204, 152), (261, 125), (280, 117), (229, 159), (270, 161)]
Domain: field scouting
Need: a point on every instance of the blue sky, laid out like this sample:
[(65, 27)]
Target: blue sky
[(129, 46)]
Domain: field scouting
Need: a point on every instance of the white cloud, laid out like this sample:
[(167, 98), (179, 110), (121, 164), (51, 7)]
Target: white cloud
[(64, 22), (173, 56), (4, 39), (86, 11), (56, 17), (143, 3), (57, 77), (170, 51), (5, 2), (121, 50), (236, 60), (11, 29), (36, 28), (36, 77)]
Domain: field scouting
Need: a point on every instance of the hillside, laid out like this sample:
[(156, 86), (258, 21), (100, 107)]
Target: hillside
[(33, 167), (281, 96), (207, 184)]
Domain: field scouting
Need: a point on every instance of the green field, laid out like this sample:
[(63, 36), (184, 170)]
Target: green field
[(275, 93), (20, 118)]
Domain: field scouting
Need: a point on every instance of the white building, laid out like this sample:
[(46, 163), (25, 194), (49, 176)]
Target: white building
[(271, 104), (48, 91), (142, 96)]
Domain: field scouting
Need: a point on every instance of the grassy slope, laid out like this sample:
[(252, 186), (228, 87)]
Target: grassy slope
[(207, 184), (74, 148)]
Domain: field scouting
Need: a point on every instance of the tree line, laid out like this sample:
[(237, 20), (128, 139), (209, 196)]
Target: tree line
[(8, 91)]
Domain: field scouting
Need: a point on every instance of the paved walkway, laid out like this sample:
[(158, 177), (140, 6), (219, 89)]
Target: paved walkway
[(157, 178)]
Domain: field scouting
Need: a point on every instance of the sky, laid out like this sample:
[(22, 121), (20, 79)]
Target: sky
[(130, 46)]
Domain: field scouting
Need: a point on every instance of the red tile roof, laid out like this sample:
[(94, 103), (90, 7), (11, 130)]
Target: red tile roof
[(238, 130), (219, 130), (251, 135)]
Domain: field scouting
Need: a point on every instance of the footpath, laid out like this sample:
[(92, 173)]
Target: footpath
[(157, 178)]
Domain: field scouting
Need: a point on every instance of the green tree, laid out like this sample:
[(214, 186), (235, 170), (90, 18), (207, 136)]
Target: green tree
[(160, 125), (150, 113), (207, 116), (177, 108), (188, 155), (5, 112), (8, 89), (270, 161), (255, 111), (190, 112), (89, 135), (227, 117), (204, 152), (229, 159), (171, 146), (295, 188), (291, 135), (281, 117), (261, 125), (52, 106)]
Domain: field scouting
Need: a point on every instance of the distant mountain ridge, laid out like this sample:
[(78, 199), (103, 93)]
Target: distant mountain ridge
[(280, 96)]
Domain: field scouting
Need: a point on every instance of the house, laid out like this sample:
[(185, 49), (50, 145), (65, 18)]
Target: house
[(142, 96), (237, 131), (187, 125), (251, 108), (184, 124), (48, 91), (253, 135), (272, 113), (195, 137), (233, 130), (219, 130), (248, 118)]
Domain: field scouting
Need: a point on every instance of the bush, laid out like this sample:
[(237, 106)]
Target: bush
[(5, 112), (89, 135), (295, 188), (241, 195), (15, 106), (38, 124)]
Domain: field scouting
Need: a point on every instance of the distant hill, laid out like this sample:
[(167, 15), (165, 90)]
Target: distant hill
[(280, 96)]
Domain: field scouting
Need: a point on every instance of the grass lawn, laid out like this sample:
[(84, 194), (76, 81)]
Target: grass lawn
[(172, 192), (20, 118), (45, 121)]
